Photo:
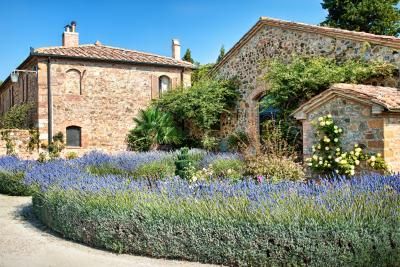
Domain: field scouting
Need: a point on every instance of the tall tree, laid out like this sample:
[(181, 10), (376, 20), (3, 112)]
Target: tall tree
[(373, 16), (221, 54), (188, 56)]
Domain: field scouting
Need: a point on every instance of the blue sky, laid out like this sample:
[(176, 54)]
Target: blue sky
[(145, 25)]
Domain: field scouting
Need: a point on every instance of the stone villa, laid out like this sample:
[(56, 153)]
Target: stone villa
[(91, 92)]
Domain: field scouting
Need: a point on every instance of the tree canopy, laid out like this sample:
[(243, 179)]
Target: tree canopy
[(221, 54), (372, 16), (188, 56)]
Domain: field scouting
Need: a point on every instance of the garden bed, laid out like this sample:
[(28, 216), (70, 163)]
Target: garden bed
[(104, 201)]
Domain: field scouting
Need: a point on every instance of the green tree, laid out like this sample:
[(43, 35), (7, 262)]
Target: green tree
[(153, 128), (221, 54), (372, 16), (201, 72), (188, 56)]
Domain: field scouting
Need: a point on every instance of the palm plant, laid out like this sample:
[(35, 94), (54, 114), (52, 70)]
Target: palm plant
[(153, 128)]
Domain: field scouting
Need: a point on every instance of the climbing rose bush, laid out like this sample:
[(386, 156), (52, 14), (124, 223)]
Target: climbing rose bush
[(329, 157)]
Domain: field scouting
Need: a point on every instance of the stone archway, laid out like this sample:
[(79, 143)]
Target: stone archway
[(253, 119)]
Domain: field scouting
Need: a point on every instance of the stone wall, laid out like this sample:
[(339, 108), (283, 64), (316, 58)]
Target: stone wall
[(24, 91), (20, 139), (268, 42), (101, 98), (358, 124), (392, 141)]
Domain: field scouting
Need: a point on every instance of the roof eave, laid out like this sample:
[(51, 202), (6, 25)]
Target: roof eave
[(112, 60)]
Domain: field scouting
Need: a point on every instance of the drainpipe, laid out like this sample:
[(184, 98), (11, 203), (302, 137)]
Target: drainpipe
[(49, 103)]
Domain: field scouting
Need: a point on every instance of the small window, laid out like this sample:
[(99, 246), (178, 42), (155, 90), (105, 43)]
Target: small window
[(164, 84), (74, 136)]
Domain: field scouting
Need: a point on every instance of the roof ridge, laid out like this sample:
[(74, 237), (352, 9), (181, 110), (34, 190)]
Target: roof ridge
[(141, 52), (384, 40), (269, 19)]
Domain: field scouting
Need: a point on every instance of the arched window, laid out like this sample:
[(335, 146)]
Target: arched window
[(73, 82), (164, 84), (74, 136)]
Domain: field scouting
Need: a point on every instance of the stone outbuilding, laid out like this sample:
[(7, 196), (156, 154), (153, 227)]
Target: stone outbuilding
[(91, 92), (272, 39), (369, 116)]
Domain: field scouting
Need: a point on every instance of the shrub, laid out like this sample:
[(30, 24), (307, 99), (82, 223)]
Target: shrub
[(153, 128), (105, 170), (238, 140), (71, 155), (183, 163), (330, 158), (17, 117), (13, 184), (274, 169), (232, 169), (333, 223), (10, 144), (201, 105), (155, 171), (56, 146)]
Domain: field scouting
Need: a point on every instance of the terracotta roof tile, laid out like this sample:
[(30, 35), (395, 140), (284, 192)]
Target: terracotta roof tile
[(102, 52), (386, 97)]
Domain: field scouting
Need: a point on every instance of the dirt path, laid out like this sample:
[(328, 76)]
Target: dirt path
[(25, 242)]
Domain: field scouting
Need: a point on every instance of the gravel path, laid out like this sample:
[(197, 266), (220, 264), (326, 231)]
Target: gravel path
[(25, 242)]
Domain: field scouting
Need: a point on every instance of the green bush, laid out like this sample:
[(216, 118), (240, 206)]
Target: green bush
[(226, 231), (183, 163), (17, 117), (13, 184), (155, 170), (228, 168), (274, 169)]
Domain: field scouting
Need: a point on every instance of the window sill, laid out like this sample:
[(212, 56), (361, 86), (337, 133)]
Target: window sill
[(73, 147)]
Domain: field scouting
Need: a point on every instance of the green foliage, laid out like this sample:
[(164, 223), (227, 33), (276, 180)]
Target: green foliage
[(17, 117), (13, 184), (201, 105), (10, 144), (230, 231), (292, 84), (238, 140), (228, 168), (275, 169), (153, 128), (156, 170), (183, 163), (34, 141), (71, 155), (373, 16), (201, 72), (221, 54), (329, 157), (188, 56), (56, 146), (210, 142)]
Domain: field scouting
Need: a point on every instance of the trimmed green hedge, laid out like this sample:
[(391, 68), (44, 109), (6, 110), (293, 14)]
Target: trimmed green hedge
[(220, 232), (13, 184)]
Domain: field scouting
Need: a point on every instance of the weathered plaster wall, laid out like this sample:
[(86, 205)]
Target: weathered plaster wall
[(274, 42)]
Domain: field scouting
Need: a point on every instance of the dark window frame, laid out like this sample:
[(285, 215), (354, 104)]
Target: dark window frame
[(71, 139)]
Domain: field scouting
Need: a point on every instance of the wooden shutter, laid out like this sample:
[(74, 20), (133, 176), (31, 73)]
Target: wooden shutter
[(154, 87)]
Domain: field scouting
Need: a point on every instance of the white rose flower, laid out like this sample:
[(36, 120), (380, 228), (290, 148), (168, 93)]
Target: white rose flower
[(320, 119), (352, 172), (373, 158), (337, 149), (357, 162), (329, 116), (327, 148), (322, 123), (379, 155), (335, 140)]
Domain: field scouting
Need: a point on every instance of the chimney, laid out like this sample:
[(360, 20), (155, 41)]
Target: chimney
[(70, 37), (176, 49)]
